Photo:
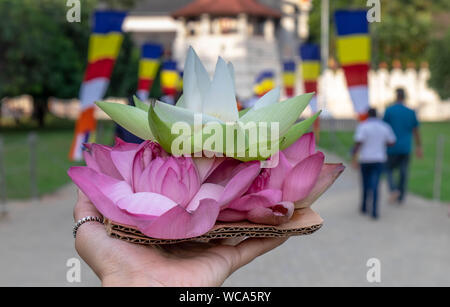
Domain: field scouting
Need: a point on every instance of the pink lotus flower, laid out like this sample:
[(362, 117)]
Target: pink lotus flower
[(276, 192), (163, 196)]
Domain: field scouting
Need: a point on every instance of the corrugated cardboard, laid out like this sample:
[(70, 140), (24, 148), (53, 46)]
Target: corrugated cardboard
[(304, 221)]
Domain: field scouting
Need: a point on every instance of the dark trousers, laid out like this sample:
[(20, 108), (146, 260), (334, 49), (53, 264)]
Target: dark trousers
[(398, 163), (371, 173)]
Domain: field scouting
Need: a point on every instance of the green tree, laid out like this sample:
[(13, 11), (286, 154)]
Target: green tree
[(40, 53), (43, 55), (404, 33), (439, 59)]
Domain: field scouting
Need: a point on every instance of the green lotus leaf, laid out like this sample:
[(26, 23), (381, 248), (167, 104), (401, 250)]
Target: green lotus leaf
[(297, 130), (132, 119), (285, 112), (140, 104), (243, 112), (181, 102)]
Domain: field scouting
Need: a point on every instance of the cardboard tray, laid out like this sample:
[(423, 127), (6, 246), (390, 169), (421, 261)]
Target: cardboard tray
[(303, 222)]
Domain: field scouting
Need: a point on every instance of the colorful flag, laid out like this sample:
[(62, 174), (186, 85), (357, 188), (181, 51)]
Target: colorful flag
[(148, 68), (310, 55), (353, 52), (180, 81), (104, 47), (169, 80), (264, 83), (289, 69)]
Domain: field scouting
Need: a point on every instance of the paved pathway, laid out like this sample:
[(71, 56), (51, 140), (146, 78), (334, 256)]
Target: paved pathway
[(412, 243)]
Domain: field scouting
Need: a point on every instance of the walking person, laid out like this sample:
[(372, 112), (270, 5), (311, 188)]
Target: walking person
[(371, 139), (404, 123)]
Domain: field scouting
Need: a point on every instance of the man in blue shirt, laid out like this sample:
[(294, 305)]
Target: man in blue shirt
[(404, 123)]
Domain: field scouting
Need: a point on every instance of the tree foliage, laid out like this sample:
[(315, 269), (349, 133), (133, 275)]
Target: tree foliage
[(41, 52), (404, 33), (439, 59), (43, 55)]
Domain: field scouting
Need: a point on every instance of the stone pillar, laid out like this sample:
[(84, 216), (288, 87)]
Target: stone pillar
[(215, 24), (303, 18), (242, 24), (288, 40), (269, 30), (181, 28), (288, 18), (205, 25)]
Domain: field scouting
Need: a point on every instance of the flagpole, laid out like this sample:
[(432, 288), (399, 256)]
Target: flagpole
[(324, 54), (324, 48)]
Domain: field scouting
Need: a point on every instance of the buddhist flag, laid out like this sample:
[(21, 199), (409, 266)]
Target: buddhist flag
[(264, 83), (310, 55), (148, 68), (289, 69), (104, 47), (353, 52), (169, 80), (180, 81)]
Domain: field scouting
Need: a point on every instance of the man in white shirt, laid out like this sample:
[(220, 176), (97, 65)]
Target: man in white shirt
[(371, 139)]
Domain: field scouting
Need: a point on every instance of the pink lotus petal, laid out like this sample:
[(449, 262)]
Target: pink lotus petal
[(265, 198), (207, 190), (230, 215), (223, 173), (302, 178), (87, 146), (146, 152), (122, 156), (301, 149), (173, 188), (278, 174), (119, 141), (190, 178), (261, 181), (276, 215), (119, 144), (177, 223), (154, 174), (146, 205), (96, 186), (90, 161), (102, 155), (206, 166), (240, 182), (328, 174)]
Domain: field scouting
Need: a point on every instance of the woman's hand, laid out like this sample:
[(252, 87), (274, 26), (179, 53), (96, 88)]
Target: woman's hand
[(119, 263), (355, 162)]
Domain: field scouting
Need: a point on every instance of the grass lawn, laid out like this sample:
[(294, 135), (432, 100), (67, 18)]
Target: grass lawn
[(422, 172), (54, 142), (52, 150)]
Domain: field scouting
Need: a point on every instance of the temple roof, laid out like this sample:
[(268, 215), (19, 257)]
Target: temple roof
[(226, 8)]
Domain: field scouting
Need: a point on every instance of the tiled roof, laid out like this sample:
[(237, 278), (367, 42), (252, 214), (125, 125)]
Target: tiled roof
[(226, 7)]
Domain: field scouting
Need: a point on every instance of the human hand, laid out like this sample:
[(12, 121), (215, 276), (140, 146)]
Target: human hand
[(119, 263), (419, 152), (355, 163)]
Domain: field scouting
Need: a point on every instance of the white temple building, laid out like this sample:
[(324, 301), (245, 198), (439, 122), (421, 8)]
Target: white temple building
[(258, 34), (242, 32)]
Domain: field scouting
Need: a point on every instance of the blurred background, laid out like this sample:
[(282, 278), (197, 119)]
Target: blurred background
[(47, 53)]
